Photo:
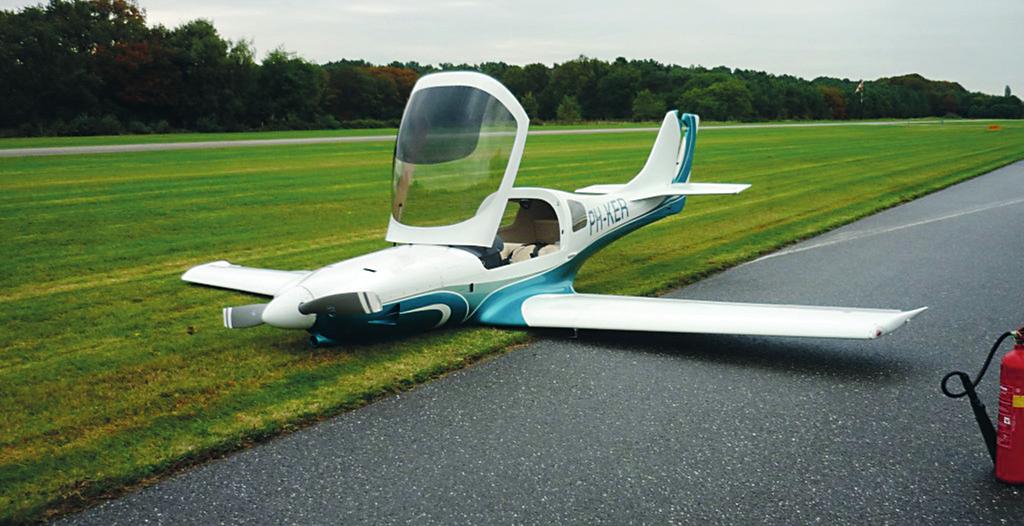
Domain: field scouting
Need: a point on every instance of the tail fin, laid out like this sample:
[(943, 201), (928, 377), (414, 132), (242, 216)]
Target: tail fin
[(671, 158)]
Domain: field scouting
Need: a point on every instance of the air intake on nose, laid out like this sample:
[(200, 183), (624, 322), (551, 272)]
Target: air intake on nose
[(345, 303)]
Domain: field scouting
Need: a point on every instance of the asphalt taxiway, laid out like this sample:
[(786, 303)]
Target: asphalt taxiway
[(249, 143)]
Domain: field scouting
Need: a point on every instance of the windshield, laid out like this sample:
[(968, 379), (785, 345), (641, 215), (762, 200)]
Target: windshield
[(453, 147)]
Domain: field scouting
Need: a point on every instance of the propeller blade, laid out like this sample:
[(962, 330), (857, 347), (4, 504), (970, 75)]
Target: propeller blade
[(344, 303), (244, 316)]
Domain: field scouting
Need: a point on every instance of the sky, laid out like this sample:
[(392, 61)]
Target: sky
[(977, 43)]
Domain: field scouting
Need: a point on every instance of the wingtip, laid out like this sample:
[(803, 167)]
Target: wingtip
[(911, 313), (906, 316), (897, 321), (188, 275)]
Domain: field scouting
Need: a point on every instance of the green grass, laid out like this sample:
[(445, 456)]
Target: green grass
[(114, 372)]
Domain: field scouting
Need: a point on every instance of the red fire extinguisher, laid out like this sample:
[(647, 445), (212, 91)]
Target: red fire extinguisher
[(1005, 440)]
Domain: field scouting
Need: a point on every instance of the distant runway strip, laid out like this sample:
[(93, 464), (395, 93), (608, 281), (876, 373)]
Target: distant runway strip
[(243, 143)]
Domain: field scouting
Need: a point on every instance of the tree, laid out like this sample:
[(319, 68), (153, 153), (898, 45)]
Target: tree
[(568, 109), (513, 78), (242, 74), (290, 88), (351, 91), (615, 92), (574, 78), (1007, 92), (201, 58), (393, 85), (835, 101), (724, 100), (648, 106), (141, 77), (536, 77), (529, 103)]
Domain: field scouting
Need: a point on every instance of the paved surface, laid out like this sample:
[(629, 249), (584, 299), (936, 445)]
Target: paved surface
[(246, 143), (619, 429)]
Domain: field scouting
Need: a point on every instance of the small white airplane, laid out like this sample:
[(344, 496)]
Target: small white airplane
[(456, 157)]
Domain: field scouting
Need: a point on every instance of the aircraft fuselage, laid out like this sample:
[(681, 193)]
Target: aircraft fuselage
[(422, 287)]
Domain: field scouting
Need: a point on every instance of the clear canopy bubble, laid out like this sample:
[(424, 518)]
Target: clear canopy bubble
[(453, 147)]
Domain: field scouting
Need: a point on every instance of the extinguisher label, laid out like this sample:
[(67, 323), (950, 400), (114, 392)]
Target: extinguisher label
[(1004, 422), (1018, 400)]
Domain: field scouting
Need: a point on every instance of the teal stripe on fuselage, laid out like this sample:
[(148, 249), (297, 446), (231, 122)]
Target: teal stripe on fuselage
[(505, 306)]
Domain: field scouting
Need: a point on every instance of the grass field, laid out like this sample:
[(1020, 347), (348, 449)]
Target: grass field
[(112, 371)]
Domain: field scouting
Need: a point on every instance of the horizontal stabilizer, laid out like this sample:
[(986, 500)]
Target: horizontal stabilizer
[(224, 275), (666, 190), (625, 313)]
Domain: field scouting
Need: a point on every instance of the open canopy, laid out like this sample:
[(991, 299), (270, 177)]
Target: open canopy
[(456, 157)]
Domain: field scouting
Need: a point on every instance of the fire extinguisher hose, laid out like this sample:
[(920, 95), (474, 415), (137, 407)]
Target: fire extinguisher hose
[(977, 379), (988, 431)]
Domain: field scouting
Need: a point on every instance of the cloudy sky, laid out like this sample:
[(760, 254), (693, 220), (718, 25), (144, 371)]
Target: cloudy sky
[(977, 43)]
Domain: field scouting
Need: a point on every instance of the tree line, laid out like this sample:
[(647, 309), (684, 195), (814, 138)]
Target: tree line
[(79, 67)]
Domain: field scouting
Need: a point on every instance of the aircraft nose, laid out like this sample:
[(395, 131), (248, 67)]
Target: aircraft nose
[(283, 311)]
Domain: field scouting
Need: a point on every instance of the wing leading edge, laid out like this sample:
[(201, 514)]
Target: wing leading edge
[(221, 274), (626, 313)]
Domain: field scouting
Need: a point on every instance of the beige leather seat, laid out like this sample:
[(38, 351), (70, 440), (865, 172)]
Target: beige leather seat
[(522, 253), (509, 248), (525, 252), (547, 249)]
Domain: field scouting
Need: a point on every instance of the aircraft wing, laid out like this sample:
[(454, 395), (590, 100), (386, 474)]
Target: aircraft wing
[(224, 275), (626, 313)]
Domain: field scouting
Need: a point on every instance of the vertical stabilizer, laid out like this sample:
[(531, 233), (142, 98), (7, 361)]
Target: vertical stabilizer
[(671, 157)]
